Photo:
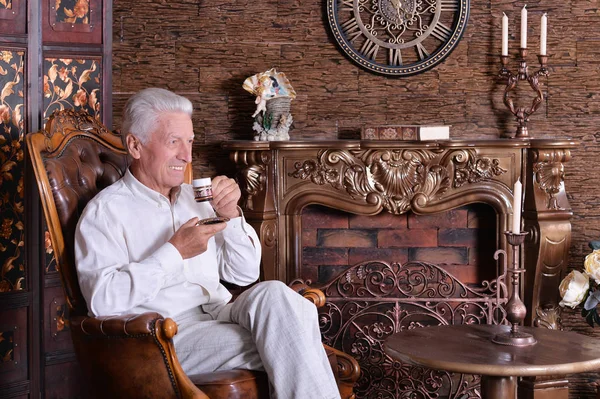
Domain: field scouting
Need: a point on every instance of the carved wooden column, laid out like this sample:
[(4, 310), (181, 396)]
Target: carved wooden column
[(256, 176), (547, 219)]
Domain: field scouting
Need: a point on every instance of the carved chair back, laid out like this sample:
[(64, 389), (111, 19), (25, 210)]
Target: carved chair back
[(74, 158)]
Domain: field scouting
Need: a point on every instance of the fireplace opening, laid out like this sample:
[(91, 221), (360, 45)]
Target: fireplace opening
[(461, 241)]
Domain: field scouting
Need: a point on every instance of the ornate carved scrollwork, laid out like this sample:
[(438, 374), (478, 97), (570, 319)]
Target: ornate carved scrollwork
[(77, 121), (394, 177), (373, 300), (549, 176), (316, 172), (268, 233), (252, 181), (251, 174), (533, 236), (472, 169), (549, 173), (391, 177), (548, 317)]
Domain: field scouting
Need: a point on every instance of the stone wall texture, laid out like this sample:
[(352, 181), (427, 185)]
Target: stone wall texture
[(205, 49)]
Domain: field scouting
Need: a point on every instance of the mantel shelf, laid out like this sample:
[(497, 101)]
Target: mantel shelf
[(463, 143)]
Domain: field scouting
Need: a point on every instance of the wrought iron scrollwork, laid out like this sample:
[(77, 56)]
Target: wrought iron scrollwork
[(375, 299)]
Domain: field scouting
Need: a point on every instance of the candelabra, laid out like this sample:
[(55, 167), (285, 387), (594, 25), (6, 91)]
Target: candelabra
[(522, 113), (515, 308)]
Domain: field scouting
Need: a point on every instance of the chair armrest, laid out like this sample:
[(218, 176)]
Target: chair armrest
[(314, 295), (132, 356), (348, 368), (348, 372), (120, 326)]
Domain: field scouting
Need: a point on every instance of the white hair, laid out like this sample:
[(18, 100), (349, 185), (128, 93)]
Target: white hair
[(142, 110)]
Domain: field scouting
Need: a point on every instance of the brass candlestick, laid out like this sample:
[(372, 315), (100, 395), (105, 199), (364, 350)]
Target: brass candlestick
[(515, 308), (522, 113)]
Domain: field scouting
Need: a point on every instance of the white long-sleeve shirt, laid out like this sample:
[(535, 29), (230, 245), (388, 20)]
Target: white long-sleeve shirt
[(125, 263)]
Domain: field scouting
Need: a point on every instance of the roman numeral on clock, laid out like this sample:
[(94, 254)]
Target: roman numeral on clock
[(395, 57), (351, 29), (442, 32), (346, 5), (449, 5), (369, 49), (423, 53)]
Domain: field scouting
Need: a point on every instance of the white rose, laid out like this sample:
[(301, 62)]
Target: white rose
[(574, 288), (592, 265)]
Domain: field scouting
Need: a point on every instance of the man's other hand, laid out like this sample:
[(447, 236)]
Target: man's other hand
[(226, 194), (191, 239)]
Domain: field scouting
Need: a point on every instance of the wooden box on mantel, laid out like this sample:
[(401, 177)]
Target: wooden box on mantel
[(405, 132)]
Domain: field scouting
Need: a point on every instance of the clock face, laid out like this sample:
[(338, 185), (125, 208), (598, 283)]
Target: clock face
[(398, 37)]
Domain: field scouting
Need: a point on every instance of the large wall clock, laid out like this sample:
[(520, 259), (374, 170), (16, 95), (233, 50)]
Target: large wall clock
[(398, 37)]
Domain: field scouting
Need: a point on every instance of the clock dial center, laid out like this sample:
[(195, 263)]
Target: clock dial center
[(398, 12)]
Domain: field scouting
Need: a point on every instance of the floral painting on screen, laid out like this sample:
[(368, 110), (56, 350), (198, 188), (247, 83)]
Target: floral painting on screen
[(72, 83), (72, 11), (12, 111)]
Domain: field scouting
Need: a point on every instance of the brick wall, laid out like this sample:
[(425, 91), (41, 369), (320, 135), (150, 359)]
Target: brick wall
[(462, 241)]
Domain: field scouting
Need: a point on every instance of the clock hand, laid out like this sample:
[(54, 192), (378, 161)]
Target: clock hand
[(397, 4)]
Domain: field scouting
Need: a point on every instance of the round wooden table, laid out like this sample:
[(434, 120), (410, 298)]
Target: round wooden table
[(468, 349)]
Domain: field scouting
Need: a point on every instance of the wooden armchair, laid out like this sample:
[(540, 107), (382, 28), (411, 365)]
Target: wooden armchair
[(127, 356)]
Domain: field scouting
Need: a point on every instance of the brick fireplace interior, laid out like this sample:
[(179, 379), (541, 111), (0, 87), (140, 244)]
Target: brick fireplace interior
[(462, 241)]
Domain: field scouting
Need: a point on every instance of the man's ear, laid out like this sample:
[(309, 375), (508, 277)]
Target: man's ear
[(134, 146)]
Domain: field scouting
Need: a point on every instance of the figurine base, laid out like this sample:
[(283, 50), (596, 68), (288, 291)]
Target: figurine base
[(516, 338), (274, 124)]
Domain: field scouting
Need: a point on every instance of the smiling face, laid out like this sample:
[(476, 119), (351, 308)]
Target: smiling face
[(160, 163)]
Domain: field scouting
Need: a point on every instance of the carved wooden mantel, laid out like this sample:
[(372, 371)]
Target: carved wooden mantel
[(279, 179)]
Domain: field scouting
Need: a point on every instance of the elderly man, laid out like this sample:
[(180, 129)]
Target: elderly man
[(139, 248)]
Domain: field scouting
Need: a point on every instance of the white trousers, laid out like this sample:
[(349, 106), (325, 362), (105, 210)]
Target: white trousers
[(268, 327)]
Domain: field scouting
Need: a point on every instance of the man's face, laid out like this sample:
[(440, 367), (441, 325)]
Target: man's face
[(161, 162)]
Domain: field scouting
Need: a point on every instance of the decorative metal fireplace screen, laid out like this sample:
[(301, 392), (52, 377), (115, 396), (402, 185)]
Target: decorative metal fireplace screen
[(375, 299)]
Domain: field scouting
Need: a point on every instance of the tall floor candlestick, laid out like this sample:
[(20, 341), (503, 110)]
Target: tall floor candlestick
[(515, 308)]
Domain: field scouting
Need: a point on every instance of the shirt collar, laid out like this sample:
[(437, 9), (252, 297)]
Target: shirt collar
[(138, 189)]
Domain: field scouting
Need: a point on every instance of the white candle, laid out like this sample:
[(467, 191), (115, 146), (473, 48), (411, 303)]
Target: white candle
[(504, 34), (524, 27), (543, 33), (517, 193)]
